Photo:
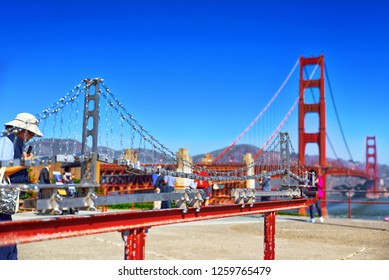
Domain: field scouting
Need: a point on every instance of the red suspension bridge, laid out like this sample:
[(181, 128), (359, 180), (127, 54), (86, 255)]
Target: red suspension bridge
[(308, 85)]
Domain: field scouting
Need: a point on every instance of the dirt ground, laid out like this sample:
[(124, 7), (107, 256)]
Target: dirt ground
[(239, 238)]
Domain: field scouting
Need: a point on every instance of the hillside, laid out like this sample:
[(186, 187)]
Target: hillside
[(46, 147)]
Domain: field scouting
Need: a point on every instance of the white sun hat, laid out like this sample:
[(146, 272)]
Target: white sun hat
[(26, 121)]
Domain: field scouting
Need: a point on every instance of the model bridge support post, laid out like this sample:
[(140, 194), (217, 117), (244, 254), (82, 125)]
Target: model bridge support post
[(135, 244)]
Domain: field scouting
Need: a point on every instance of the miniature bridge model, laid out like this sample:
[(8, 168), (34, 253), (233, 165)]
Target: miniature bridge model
[(278, 160)]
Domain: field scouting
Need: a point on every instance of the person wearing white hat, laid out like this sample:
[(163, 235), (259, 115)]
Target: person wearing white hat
[(18, 131)]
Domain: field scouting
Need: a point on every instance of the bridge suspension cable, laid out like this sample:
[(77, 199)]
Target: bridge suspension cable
[(259, 115), (127, 117), (336, 113), (338, 120), (284, 119), (278, 128), (327, 136)]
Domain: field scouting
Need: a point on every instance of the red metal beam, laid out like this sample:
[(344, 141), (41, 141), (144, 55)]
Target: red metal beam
[(25, 231)]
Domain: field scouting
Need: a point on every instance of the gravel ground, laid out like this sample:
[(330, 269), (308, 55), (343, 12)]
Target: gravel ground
[(239, 238)]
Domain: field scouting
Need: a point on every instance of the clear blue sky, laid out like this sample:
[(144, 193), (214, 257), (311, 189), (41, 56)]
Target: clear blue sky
[(226, 58)]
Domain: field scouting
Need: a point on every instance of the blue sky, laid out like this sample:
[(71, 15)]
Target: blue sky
[(196, 73)]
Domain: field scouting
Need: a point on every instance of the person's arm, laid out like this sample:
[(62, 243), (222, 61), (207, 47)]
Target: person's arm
[(6, 149), (157, 185), (9, 170), (319, 182)]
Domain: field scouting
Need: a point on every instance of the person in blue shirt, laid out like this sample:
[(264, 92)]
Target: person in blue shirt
[(18, 131), (169, 183), (265, 184)]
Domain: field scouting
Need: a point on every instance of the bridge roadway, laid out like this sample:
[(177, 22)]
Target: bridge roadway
[(229, 238)]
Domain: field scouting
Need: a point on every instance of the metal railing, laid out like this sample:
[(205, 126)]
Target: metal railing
[(358, 197)]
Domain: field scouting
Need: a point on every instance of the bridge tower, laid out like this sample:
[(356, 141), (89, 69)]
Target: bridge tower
[(89, 165), (318, 108), (371, 161), (90, 131)]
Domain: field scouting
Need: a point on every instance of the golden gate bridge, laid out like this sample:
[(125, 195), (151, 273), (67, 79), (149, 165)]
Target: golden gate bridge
[(89, 127)]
